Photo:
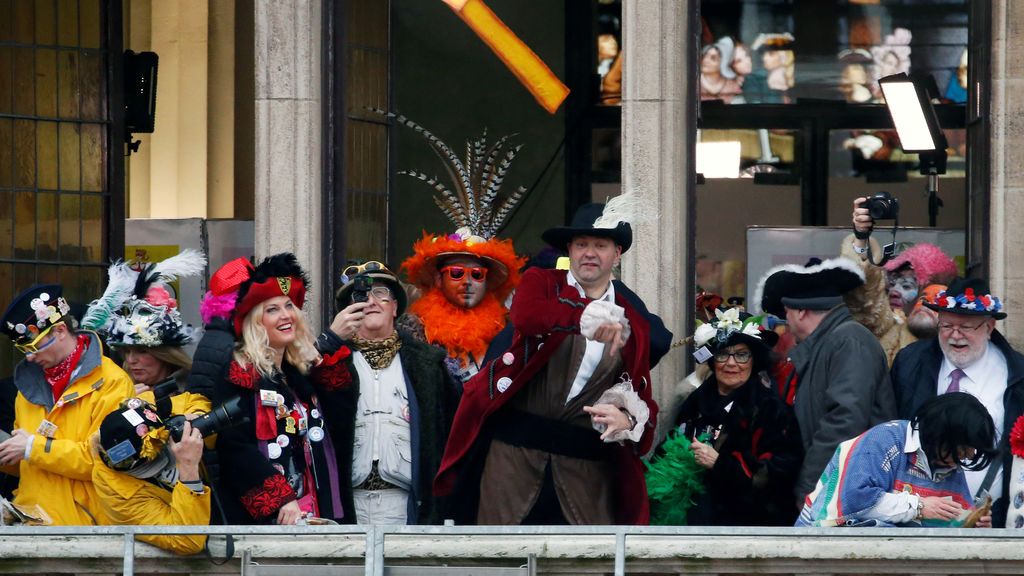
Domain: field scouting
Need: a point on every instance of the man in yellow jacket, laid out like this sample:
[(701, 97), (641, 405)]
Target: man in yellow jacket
[(145, 477), (65, 388)]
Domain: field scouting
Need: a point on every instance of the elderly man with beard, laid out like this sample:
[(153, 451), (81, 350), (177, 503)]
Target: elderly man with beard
[(968, 355), (887, 302)]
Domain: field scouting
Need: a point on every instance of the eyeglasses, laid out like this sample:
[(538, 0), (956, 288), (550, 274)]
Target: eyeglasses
[(33, 346), (477, 273), (963, 328), (382, 294), (740, 357), (368, 266)]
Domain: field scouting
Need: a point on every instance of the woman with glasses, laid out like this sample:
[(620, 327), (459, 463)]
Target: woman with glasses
[(396, 412), (742, 437)]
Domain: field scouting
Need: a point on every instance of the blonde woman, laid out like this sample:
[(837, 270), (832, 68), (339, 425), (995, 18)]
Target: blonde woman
[(280, 467)]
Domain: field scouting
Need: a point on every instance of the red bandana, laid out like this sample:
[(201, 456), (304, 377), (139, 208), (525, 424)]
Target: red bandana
[(60, 375)]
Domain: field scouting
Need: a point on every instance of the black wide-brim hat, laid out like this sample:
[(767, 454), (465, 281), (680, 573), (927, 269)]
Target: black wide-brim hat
[(583, 225), (967, 297), (33, 311), (819, 285), (344, 296)]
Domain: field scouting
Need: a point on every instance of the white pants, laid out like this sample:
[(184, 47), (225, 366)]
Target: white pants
[(381, 506)]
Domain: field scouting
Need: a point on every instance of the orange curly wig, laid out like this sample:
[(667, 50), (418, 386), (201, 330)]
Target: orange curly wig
[(430, 247)]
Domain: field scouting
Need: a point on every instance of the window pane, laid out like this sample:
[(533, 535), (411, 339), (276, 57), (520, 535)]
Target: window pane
[(92, 282), (47, 274), (6, 225), (90, 23), (70, 227), (6, 20), (46, 22), (24, 154), (70, 159), (6, 152), (46, 135), (24, 85), (6, 79), (46, 82), (91, 68), (68, 88), (92, 227), (46, 232), (24, 15), (25, 231), (67, 22), (94, 168)]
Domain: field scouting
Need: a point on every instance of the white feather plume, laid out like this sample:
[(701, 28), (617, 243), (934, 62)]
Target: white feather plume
[(628, 208), (120, 285), (187, 263)]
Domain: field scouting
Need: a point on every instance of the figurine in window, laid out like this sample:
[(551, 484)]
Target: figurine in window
[(772, 84), (891, 57), (854, 78)]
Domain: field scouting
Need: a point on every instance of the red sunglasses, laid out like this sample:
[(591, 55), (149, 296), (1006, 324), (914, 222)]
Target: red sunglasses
[(478, 273)]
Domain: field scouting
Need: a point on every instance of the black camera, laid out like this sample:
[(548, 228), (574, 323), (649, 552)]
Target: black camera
[(882, 206), (361, 287), (224, 416)]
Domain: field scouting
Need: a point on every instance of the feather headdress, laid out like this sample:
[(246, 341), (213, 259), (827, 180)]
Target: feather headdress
[(137, 309), (474, 199)]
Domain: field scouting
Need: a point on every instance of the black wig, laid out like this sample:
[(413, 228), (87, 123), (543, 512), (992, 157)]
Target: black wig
[(956, 420)]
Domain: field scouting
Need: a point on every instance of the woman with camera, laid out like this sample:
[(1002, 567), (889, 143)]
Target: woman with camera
[(280, 466), (744, 449), (395, 412)]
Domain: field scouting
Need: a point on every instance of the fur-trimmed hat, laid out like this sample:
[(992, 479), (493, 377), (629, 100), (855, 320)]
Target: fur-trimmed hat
[(819, 285), (277, 275), (930, 264), (138, 308), (969, 297), (33, 311)]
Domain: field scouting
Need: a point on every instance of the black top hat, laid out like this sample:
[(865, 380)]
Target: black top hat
[(33, 311), (968, 296), (819, 285), (583, 225)]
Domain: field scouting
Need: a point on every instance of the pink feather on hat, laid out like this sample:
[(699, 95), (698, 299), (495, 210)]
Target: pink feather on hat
[(930, 264)]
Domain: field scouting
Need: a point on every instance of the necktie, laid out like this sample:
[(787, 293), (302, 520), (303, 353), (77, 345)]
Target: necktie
[(954, 380)]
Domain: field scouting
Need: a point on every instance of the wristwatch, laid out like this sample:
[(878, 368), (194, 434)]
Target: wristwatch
[(632, 419), (920, 509), (863, 250)]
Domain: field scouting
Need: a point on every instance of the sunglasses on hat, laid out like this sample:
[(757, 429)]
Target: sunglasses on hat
[(33, 347), (369, 266), (477, 273)]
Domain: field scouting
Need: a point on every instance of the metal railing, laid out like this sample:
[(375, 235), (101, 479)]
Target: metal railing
[(375, 537)]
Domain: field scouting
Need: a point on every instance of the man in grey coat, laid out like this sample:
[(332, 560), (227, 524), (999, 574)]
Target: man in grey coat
[(840, 370)]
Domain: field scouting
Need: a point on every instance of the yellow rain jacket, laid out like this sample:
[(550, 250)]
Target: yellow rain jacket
[(57, 476), (129, 500)]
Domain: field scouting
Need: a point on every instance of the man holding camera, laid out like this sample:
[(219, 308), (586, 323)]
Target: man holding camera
[(150, 477), (65, 386), (968, 355), (840, 374)]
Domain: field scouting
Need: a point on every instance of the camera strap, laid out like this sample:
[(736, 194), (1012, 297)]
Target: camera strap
[(889, 250)]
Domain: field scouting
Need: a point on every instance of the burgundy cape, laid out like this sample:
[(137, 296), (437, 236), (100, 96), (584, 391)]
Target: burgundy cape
[(545, 311)]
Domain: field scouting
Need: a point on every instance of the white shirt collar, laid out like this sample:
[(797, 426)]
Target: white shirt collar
[(609, 294)]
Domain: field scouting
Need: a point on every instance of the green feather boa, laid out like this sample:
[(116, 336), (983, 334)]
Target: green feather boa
[(674, 480)]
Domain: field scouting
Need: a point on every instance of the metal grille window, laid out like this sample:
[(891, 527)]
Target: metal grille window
[(54, 148)]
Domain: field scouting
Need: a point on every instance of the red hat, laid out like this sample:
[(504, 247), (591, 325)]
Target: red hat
[(278, 275), (230, 276)]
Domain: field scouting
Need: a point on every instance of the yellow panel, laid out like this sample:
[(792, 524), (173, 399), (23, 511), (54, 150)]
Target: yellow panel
[(24, 21), (24, 154), (70, 227), (70, 160), (89, 19), (25, 231), (91, 73), (46, 82), (24, 81), (46, 226), (92, 227), (94, 161), (6, 152), (67, 22), (46, 22), (68, 85), (46, 151), (6, 69), (6, 228)]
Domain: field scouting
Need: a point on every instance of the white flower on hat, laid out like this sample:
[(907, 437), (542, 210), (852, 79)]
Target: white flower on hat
[(703, 334), (752, 329), (729, 320)]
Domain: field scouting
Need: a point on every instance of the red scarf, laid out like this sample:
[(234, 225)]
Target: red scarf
[(59, 376)]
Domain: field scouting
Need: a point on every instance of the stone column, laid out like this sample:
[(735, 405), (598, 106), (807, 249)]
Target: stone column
[(288, 136), (655, 166), (1006, 243)]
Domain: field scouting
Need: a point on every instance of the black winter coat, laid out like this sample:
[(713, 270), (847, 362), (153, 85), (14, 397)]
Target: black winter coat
[(759, 455), (915, 378), (211, 359), (436, 396)]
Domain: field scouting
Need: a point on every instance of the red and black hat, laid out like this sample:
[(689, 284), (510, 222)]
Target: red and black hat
[(277, 275)]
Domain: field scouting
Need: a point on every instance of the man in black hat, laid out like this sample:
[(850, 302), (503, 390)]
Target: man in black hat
[(65, 388), (552, 430), (840, 370), (968, 355)]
